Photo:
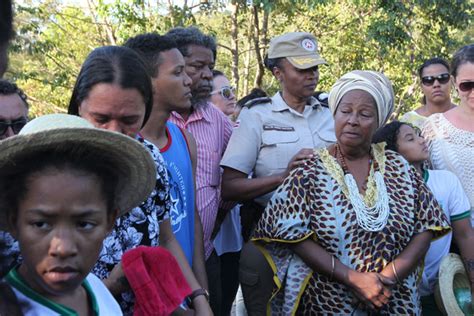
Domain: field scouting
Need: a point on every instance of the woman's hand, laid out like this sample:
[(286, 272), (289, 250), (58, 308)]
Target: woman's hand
[(298, 160), (387, 274), (372, 289), (117, 283)]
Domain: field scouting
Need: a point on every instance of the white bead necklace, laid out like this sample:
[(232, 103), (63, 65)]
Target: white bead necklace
[(368, 218)]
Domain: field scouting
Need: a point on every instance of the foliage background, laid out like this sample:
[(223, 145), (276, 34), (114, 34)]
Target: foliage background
[(54, 38)]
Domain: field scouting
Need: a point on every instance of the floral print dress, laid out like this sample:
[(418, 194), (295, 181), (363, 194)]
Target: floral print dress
[(312, 203), (138, 227)]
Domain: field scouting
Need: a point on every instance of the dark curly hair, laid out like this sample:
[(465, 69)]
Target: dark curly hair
[(389, 134), (8, 88), (149, 46)]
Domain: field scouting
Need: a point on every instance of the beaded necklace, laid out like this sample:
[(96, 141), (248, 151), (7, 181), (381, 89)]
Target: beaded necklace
[(342, 159), (368, 218)]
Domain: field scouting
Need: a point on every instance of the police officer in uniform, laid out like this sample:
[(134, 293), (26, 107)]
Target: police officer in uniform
[(272, 138)]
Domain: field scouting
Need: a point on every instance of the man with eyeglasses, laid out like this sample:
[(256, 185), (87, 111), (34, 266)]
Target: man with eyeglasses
[(212, 130), (13, 109), (436, 87)]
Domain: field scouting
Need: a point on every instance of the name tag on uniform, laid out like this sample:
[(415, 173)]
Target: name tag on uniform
[(278, 128)]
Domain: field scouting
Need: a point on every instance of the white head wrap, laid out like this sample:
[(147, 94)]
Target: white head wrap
[(373, 82)]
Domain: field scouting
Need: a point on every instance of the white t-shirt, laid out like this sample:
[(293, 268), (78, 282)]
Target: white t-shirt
[(453, 200), (33, 304)]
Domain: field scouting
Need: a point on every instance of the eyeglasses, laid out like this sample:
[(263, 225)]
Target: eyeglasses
[(16, 126), (429, 80), (226, 92), (466, 86)]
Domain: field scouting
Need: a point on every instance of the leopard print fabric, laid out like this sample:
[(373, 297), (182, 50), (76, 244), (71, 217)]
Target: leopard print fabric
[(311, 204)]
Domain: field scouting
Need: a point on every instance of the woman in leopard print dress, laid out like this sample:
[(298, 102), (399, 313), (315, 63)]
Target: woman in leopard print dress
[(345, 233)]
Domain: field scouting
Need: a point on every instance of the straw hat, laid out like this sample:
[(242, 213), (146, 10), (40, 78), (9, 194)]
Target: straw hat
[(452, 276), (135, 166)]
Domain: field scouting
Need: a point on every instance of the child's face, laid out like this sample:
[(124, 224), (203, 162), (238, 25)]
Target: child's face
[(411, 145), (61, 223)]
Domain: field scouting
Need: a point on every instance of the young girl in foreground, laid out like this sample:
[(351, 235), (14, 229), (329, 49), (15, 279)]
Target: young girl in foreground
[(62, 185), (406, 140)]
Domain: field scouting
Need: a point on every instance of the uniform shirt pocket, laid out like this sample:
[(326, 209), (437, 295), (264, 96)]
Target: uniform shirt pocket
[(278, 147), (327, 136)]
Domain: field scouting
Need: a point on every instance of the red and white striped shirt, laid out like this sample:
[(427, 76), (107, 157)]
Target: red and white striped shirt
[(212, 130)]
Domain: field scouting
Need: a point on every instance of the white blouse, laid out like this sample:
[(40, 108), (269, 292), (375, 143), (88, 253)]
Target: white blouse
[(452, 149)]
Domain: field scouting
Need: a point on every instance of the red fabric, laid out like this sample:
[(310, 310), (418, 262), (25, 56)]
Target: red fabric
[(156, 280)]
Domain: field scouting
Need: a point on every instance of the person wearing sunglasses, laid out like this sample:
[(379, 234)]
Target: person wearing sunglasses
[(13, 109), (435, 84), (223, 94), (450, 135)]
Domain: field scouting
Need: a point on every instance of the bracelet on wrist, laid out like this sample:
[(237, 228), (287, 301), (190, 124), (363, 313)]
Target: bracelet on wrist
[(333, 266), (199, 292), (395, 272)]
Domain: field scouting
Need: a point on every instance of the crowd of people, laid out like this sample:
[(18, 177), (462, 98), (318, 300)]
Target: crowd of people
[(160, 193)]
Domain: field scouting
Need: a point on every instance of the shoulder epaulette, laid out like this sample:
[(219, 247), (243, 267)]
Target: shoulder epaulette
[(322, 97), (256, 101)]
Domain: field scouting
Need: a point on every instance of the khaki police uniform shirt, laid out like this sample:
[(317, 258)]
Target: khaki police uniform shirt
[(268, 135)]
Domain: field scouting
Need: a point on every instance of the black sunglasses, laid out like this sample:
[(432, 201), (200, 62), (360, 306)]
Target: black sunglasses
[(429, 80), (226, 92), (466, 86), (16, 125)]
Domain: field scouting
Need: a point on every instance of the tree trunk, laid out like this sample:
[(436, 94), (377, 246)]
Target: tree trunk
[(235, 45), (172, 13), (248, 56), (96, 22), (105, 25), (264, 31), (112, 38), (258, 54)]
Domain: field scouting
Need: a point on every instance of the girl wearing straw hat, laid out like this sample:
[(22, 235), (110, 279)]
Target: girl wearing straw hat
[(62, 185)]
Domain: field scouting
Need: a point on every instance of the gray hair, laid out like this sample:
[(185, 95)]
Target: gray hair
[(192, 36)]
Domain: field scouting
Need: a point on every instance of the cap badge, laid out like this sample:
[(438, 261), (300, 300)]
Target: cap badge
[(308, 45)]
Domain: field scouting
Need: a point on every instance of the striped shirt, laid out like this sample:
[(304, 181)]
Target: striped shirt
[(212, 130)]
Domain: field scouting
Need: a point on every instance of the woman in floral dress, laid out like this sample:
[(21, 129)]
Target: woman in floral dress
[(345, 233)]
